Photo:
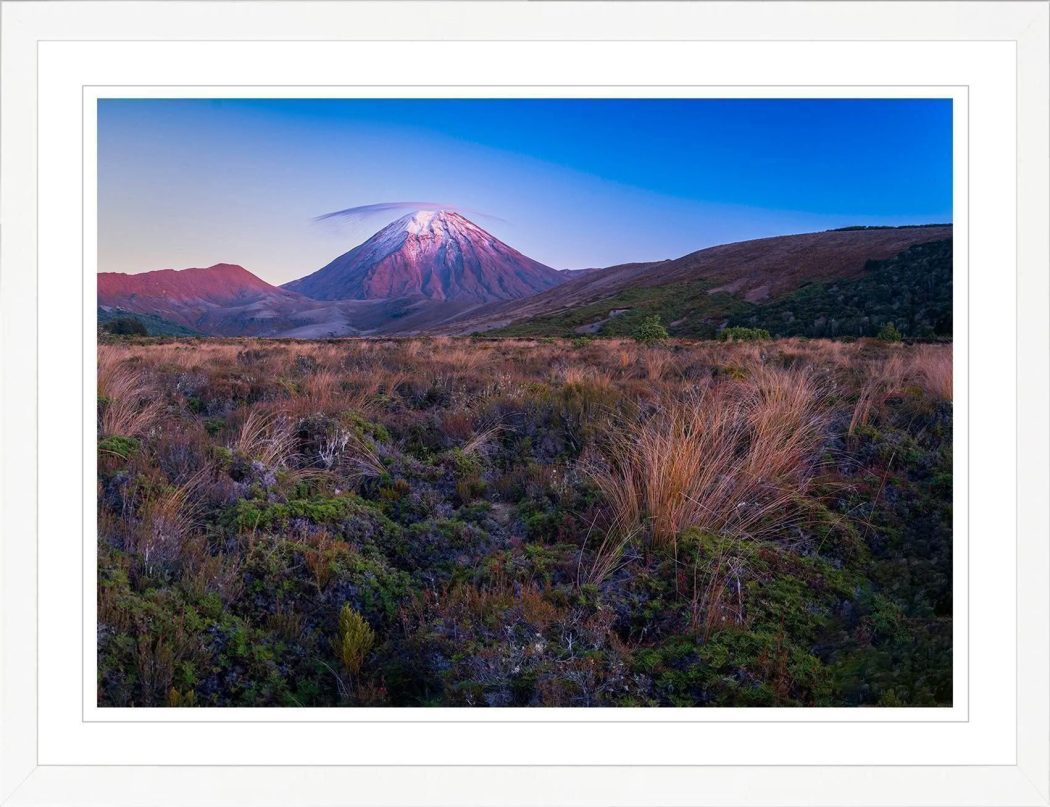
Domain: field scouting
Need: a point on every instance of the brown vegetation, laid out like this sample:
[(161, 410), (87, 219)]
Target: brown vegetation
[(469, 521)]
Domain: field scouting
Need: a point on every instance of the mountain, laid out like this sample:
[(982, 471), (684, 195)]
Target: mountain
[(700, 291), (435, 255), (220, 300), (438, 273), (221, 284)]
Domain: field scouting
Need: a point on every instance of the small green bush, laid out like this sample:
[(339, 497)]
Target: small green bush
[(252, 514), (354, 640), (889, 333), (214, 425), (740, 334), (125, 326), (118, 446), (650, 330)]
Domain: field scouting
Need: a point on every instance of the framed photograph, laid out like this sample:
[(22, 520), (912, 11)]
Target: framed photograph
[(508, 403)]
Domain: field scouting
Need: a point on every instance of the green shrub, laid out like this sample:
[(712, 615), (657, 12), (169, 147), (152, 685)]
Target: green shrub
[(889, 333), (650, 330), (741, 334), (354, 639), (214, 425), (125, 326), (251, 514), (118, 446)]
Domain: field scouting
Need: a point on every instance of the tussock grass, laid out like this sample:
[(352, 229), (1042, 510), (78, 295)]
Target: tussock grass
[(726, 459), (267, 438), (932, 365), (168, 519), (128, 406)]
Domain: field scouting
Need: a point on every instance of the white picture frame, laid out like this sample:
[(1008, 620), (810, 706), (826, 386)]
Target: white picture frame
[(52, 55)]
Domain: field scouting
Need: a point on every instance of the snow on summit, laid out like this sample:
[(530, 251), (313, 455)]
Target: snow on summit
[(435, 254)]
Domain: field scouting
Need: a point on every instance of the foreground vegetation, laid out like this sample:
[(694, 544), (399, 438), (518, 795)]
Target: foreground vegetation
[(524, 523)]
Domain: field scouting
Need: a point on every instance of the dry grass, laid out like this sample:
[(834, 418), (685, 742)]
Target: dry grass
[(609, 554), (168, 518), (717, 437), (481, 444), (726, 459), (786, 425), (926, 367), (319, 389), (657, 363), (267, 438), (127, 405), (932, 365), (868, 398), (364, 460)]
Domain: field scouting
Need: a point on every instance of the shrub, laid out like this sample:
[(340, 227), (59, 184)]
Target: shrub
[(125, 326), (354, 639), (913, 289), (650, 330), (740, 334), (251, 514), (889, 333), (118, 446)]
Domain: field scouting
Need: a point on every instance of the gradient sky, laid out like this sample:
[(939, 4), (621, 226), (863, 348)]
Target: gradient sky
[(572, 183)]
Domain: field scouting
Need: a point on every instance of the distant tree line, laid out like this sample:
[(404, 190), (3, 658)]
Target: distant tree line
[(125, 326), (885, 227), (912, 292)]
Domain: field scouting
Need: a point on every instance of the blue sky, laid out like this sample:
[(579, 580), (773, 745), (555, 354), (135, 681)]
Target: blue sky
[(572, 183)]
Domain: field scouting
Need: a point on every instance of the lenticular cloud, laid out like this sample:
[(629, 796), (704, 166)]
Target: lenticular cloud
[(362, 211)]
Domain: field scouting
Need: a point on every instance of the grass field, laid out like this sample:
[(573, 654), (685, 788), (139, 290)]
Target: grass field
[(524, 522)]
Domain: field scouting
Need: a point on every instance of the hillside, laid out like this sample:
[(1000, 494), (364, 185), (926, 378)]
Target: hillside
[(221, 284), (228, 300), (224, 299), (912, 290), (699, 292)]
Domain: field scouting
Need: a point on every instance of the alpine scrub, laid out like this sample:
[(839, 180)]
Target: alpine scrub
[(440, 521)]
